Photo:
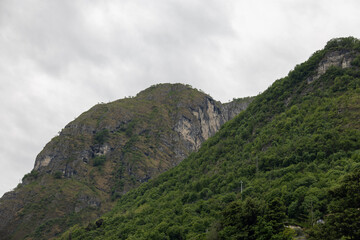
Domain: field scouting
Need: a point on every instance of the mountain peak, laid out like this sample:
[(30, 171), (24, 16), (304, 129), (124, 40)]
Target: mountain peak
[(166, 88), (172, 92), (111, 149)]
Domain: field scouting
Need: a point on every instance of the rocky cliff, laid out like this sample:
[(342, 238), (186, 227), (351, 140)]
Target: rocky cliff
[(340, 59), (107, 151)]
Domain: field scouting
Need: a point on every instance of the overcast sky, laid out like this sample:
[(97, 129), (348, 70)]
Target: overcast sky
[(60, 57)]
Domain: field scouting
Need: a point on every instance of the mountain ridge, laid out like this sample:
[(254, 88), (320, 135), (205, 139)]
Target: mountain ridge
[(280, 162), (107, 151)]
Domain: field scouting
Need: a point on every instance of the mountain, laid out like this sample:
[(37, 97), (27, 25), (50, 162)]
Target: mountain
[(107, 151), (292, 158)]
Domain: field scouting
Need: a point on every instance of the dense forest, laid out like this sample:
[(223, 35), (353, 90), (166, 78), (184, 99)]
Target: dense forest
[(287, 166)]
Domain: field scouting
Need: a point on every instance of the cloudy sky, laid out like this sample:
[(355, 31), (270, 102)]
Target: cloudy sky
[(60, 57)]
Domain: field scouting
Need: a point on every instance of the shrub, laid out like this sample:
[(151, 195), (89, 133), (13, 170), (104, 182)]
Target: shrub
[(99, 161), (57, 175), (33, 175), (102, 136)]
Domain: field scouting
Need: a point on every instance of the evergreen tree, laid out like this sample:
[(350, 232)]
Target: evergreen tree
[(343, 219)]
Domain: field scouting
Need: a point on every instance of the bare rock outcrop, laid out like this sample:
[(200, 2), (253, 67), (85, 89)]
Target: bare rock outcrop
[(341, 59), (206, 120)]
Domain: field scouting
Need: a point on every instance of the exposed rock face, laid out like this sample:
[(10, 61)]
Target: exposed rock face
[(233, 108), (109, 150), (336, 58), (206, 120), (42, 163)]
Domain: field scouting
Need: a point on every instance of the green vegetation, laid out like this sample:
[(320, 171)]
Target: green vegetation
[(278, 163), (101, 136), (33, 175), (343, 219), (99, 161), (58, 175), (45, 201), (253, 219), (346, 43)]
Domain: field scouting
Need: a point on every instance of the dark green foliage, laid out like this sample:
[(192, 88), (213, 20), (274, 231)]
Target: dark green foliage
[(33, 175), (347, 43), (58, 175), (99, 161), (253, 219), (240, 219), (343, 219), (130, 128), (356, 61), (101, 136), (276, 214)]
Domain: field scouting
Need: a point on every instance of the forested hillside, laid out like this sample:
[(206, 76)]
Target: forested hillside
[(291, 159)]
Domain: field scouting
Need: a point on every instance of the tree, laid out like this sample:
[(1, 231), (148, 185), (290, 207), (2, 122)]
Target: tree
[(275, 214), (271, 225), (343, 219), (240, 219)]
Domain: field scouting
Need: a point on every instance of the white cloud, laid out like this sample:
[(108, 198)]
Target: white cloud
[(58, 58)]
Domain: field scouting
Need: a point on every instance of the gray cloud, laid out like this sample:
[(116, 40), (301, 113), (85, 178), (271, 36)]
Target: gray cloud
[(58, 58)]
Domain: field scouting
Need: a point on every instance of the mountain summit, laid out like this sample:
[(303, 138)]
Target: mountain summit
[(107, 151)]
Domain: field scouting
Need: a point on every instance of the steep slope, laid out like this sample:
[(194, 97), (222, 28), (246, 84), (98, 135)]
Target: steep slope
[(107, 151), (277, 163)]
